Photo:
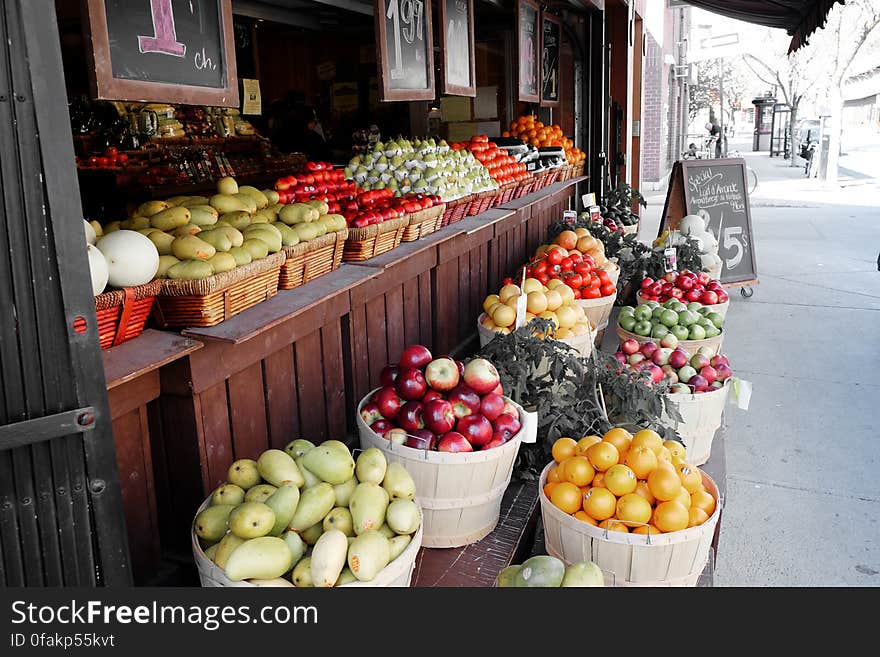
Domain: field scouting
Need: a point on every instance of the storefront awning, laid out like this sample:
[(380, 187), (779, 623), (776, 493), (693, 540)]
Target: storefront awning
[(799, 18)]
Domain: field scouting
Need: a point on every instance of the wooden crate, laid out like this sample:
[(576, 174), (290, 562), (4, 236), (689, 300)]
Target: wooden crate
[(701, 417), (308, 260), (209, 301), (123, 313), (370, 241), (423, 223)]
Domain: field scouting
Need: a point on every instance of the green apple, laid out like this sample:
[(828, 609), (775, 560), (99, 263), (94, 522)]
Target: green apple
[(643, 328), (670, 303), (695, 306), (696, 332), (679, 331), (712, 332), (626, 310), (627, 322), (686, 318), (652, 303), (716, 318), (669, 318), (705, 322), (659, 331), (643, 313), (686, 373), (706, 350), (658, 313)]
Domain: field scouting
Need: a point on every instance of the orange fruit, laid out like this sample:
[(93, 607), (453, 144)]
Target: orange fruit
[(703, 500), (643, 490), (648, 438), (633, 509), (613, 525), (670, 517), (620, 438), (641, 460), (600, 503), (664, 484), (554, 476), (563, 448), (567, 239), (620, 480), (581, 232), (646, 529), (603, 455), (664, 455), (583, 517), (696, 516), (599, 480), (683, 498), (676, 449), (690, 477), (666, 464), (548, 488), (566, 496), (577, 470)]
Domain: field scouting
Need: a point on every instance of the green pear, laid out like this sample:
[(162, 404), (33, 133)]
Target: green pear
[(314, 503), (339, 518), (283, 502), (264, 557), (211, 523), (228, 494), (399, 483), (243, 473), (226, 547), (251, 520), (260, 493), (368, 554), (298, 447), (371, 465), (343, 491), (331, 461), (278, 468)]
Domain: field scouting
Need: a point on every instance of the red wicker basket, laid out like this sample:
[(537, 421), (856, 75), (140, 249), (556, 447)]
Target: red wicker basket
[(455, 210), (123, 313)]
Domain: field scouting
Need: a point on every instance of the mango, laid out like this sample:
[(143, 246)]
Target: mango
[(216, 238), (165, 263), (320, 206), (222, 262), (112, 226), (195, 200), (162, 241), (302, 573), (298, 447), (540, 571), (328, 558), (147, 231), (297, 213), (251, 520), (398, 545), (136, 223), (386, 531), (312, 534), (371, 465), (403, 516), (311, 478), (211, 550), (203, 215), (264, 557), (150, 208), (256, 247), (273, 582), (339, 518), (583, 574), (256, 194), (283, 502), (191, 248), (249, 201), (225, 548), (367, 505), (314, 503), (244, 473), (288, 236), (189, 270), (271, 195), (278, 469), (227, 185), (320, 227), (189, 229), (507, 577), (227, 494), (99, 230), (176, 200), (398, 483), (368, 554), (266, 232), (334, 222), (211, 523), (232, 233), (260, 493), (242, 256), (345, 577), (331, 461), (261, 218), (305, 232), (238, 220), (297, 546), (171, 218), (343, 491), (226, 203)]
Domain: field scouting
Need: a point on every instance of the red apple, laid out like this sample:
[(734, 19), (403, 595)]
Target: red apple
[(411, 384), (678, 358), (397, 435), (699, 361), (636, 358), (723, 297), (388, 375), (629, 346), (656, 373), (703, 277), (499, 389), (670, 373), (698, 383), (492, 405), (410, 416), (476, 428), (416, 356), (454, 442), (709, 373), (430, 396), (481, 376), (464, 401), (692, 295), (708, 298), (389, 402), (621, 357), (421, 439), (442, 374), (718, 359), (723, 372), (648, 348), (460, 366), (497, 441), (439, 416), (661, 356), (381, 427), (370, 412), (507, 425)]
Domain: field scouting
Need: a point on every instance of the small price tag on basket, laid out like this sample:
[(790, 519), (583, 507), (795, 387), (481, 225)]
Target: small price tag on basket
[(670, 259), (741, 393), (570, 216), (595, 214), (521, 304), (529, 426)]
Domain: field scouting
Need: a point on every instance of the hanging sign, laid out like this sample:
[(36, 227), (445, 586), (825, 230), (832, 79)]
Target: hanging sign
[(528, 61), (405, 48), (173, 51), (550, 47), (457, 39)]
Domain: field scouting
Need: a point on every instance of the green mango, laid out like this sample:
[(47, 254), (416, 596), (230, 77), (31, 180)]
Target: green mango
[(297, 546), (244, 473), (256, 194), (278, 468), (399, 483), (386, 531), (540, 571), (191, 247), (403, 516), (222, 262), (298, 447), (251, 520), (162, 241), (171, 218), (216, 238), (371, 466), (288, 236), (189, 229), (242, 256), (313, 533), (232, 233), (166, 262), (398, 545), (226, 203), (227, 494), (264, 557), (266, 232), (211, 523), (226, 547), (260, 493), (346, 577), (314, 503), (238, 220), (227, 185), (339, 518), (195, 201), (331, 461), (283, 502), (297, 213), (249, 201), (256, 247), (136, 223), (343, 491), (311, 478), (368, 554), (328, 558), (367, 505), (507, 577), (302, 573), (150, 208), (203, 215), (211, 551)]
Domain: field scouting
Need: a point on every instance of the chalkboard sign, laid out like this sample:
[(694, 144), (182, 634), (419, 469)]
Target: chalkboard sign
[(550, 48), (716, 189), (457, 37), (175, 51), (529, 61), (405, 48)]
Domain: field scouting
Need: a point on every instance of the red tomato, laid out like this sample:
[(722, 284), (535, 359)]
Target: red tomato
[(594, 281), (607, 289), (554, 257), (603, 275), (577, 294), (540, 267), (543, 278), (590, 293), (567, 264), (574, 281)]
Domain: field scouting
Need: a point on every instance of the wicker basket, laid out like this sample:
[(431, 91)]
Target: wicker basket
[(720, 308), (308, 260), (482, 202), (423, 223), (460, 493), (583, 343), (209, 301), (370, 241), (577, 170), (690, 346), (701, 417), (398, 573), (123, 313), (674, 559), (507, 191), (598, 311), (629, 230), (525, 187), (455, 211), (565, 172)]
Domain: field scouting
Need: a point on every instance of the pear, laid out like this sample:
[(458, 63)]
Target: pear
[(398, 545), (403, 516), (367, 504), (264, 557), (312, 534), (302, 573), (371, 466), (297, 546), (331, 461), (314, 503), (283, 502), (343, 491), (251, 520), (243, 473), (311, 478), (339, 518), (278, 468)]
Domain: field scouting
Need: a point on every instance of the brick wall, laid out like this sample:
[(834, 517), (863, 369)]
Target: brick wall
[(653, 113)]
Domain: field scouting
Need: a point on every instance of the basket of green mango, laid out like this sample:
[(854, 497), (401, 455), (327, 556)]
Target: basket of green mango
[(546, 571)]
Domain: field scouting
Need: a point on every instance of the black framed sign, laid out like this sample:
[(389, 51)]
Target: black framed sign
[(177, 51), (551, 45), (457, 37), (405, 48), (529, 62)]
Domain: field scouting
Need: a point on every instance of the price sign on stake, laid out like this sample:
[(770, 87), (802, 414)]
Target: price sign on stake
[(570, 216), (595, 214), (521, 304)]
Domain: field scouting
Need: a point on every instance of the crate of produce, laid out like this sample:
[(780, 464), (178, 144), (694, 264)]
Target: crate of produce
[(123, 313), (308, 260), (456, 210), (583, 343), (423, 223), (370, 241), (480, 203), (209, 301)]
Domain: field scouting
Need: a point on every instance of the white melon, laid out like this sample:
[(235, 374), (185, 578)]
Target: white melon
[(132, 258), (97, 269), (692, 224)]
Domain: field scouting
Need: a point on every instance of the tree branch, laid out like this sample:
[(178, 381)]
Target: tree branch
[(746, 58), (863, 37)]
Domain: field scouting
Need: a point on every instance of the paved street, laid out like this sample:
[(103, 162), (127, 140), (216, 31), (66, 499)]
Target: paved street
[(803, 505)]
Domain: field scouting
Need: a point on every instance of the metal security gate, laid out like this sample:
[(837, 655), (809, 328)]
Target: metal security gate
[(61, 517)]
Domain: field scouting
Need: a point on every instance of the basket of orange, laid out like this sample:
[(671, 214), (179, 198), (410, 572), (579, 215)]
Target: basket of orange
[(632, 504)]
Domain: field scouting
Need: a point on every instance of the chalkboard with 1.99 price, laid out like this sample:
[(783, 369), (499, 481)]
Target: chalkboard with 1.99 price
[(457, 40), (176, 51), (529, 51), (405, 49)]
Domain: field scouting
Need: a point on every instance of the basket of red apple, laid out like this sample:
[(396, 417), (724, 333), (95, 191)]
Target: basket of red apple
[(687, 287), (451, 427), (699, 388)]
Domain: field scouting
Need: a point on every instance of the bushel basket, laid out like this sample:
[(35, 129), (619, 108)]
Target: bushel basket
[(701, 415), (690, 346)]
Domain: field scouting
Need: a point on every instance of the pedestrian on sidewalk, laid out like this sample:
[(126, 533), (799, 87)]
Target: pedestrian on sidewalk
[(714, 136)]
